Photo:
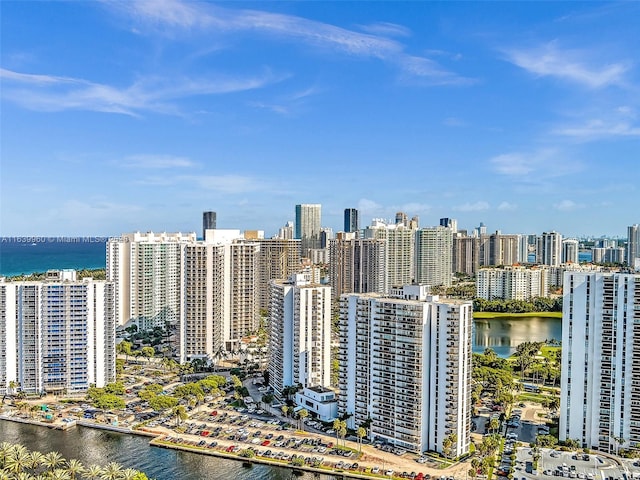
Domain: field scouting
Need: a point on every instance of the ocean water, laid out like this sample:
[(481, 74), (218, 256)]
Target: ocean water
[(24, 255)]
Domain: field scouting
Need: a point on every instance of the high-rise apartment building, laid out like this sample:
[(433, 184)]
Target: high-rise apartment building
[(286, 232), (600, 386), (466, 254), (633, 247), (433, 256), (278, 259), (608, 255), (357, 265), (570, 250), (147, 272), (208, 222), (549, 249), (512, 283), (221, 294), (351, 220), (308, 225), (400, 250), (57, 335), (300, 334), (405, 367), (451, 223)]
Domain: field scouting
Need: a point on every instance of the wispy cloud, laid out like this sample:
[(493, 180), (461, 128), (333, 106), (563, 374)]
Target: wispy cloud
[(597, 129), (507, 207), (571, 65), (567, 206), (156, 162), (229, 184), (526, 166), (454, 122), (387, 29), (157, 94), (170, 17), (472, 207)]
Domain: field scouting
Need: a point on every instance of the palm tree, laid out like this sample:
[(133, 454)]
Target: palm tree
[(112, 471), (75, 467), (18, 460), (93, 472), (285, 410), (36, 459), (52, 460), (361, 432), (13, 385), (60, 474), (302, 414), (180, 412), (336, 428), (128, 474)]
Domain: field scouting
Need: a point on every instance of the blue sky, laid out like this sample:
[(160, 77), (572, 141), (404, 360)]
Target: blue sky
[(139, 115)]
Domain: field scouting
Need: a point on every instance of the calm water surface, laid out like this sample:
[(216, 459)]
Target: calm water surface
[(504, 334), (100, 447)]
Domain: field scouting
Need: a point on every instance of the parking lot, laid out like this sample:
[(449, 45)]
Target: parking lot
[(553, 463)]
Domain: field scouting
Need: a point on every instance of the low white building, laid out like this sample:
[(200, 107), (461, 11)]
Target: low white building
[(320, 401)]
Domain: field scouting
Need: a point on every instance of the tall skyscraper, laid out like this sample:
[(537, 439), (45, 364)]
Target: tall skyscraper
[(466, 254), (400, 250), (57, 335), (570, 250), (433, 250), (277, 259), (221, 294), (549, 249), (600, 386), (405, 367), (147, 271), (357, 265), (286, 232), (308, 224), (633, 247), (351, 220), (300, 334), (208, 221), (451, 223)]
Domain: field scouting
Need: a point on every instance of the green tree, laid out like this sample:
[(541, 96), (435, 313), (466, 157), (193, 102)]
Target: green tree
[(148, 353), (109, 402), (163, 402), (180, 412), (124, 348)]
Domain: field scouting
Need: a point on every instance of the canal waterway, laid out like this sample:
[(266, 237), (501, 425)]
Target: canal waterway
[(504, 334), (99, 447)]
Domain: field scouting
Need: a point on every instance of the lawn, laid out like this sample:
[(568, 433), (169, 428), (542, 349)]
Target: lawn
[(523, 315)]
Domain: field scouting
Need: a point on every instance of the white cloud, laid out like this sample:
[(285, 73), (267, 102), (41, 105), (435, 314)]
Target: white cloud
[(472, 207), (543, 163), (51, 93), (230, 184), (156, 161), (567, 206), (596, 129), (369, 207), (170, 17), (572, 65), (386, 29), (507, 207)]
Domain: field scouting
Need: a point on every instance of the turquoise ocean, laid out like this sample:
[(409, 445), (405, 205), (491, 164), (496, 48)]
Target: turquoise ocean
[(24, 255)]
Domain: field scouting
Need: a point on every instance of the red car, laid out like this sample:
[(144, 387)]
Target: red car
[(214, 413), (265, 443), (230, 448)]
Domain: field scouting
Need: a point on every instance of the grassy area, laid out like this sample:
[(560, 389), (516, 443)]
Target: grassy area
[(532, 397), (523, 315)]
